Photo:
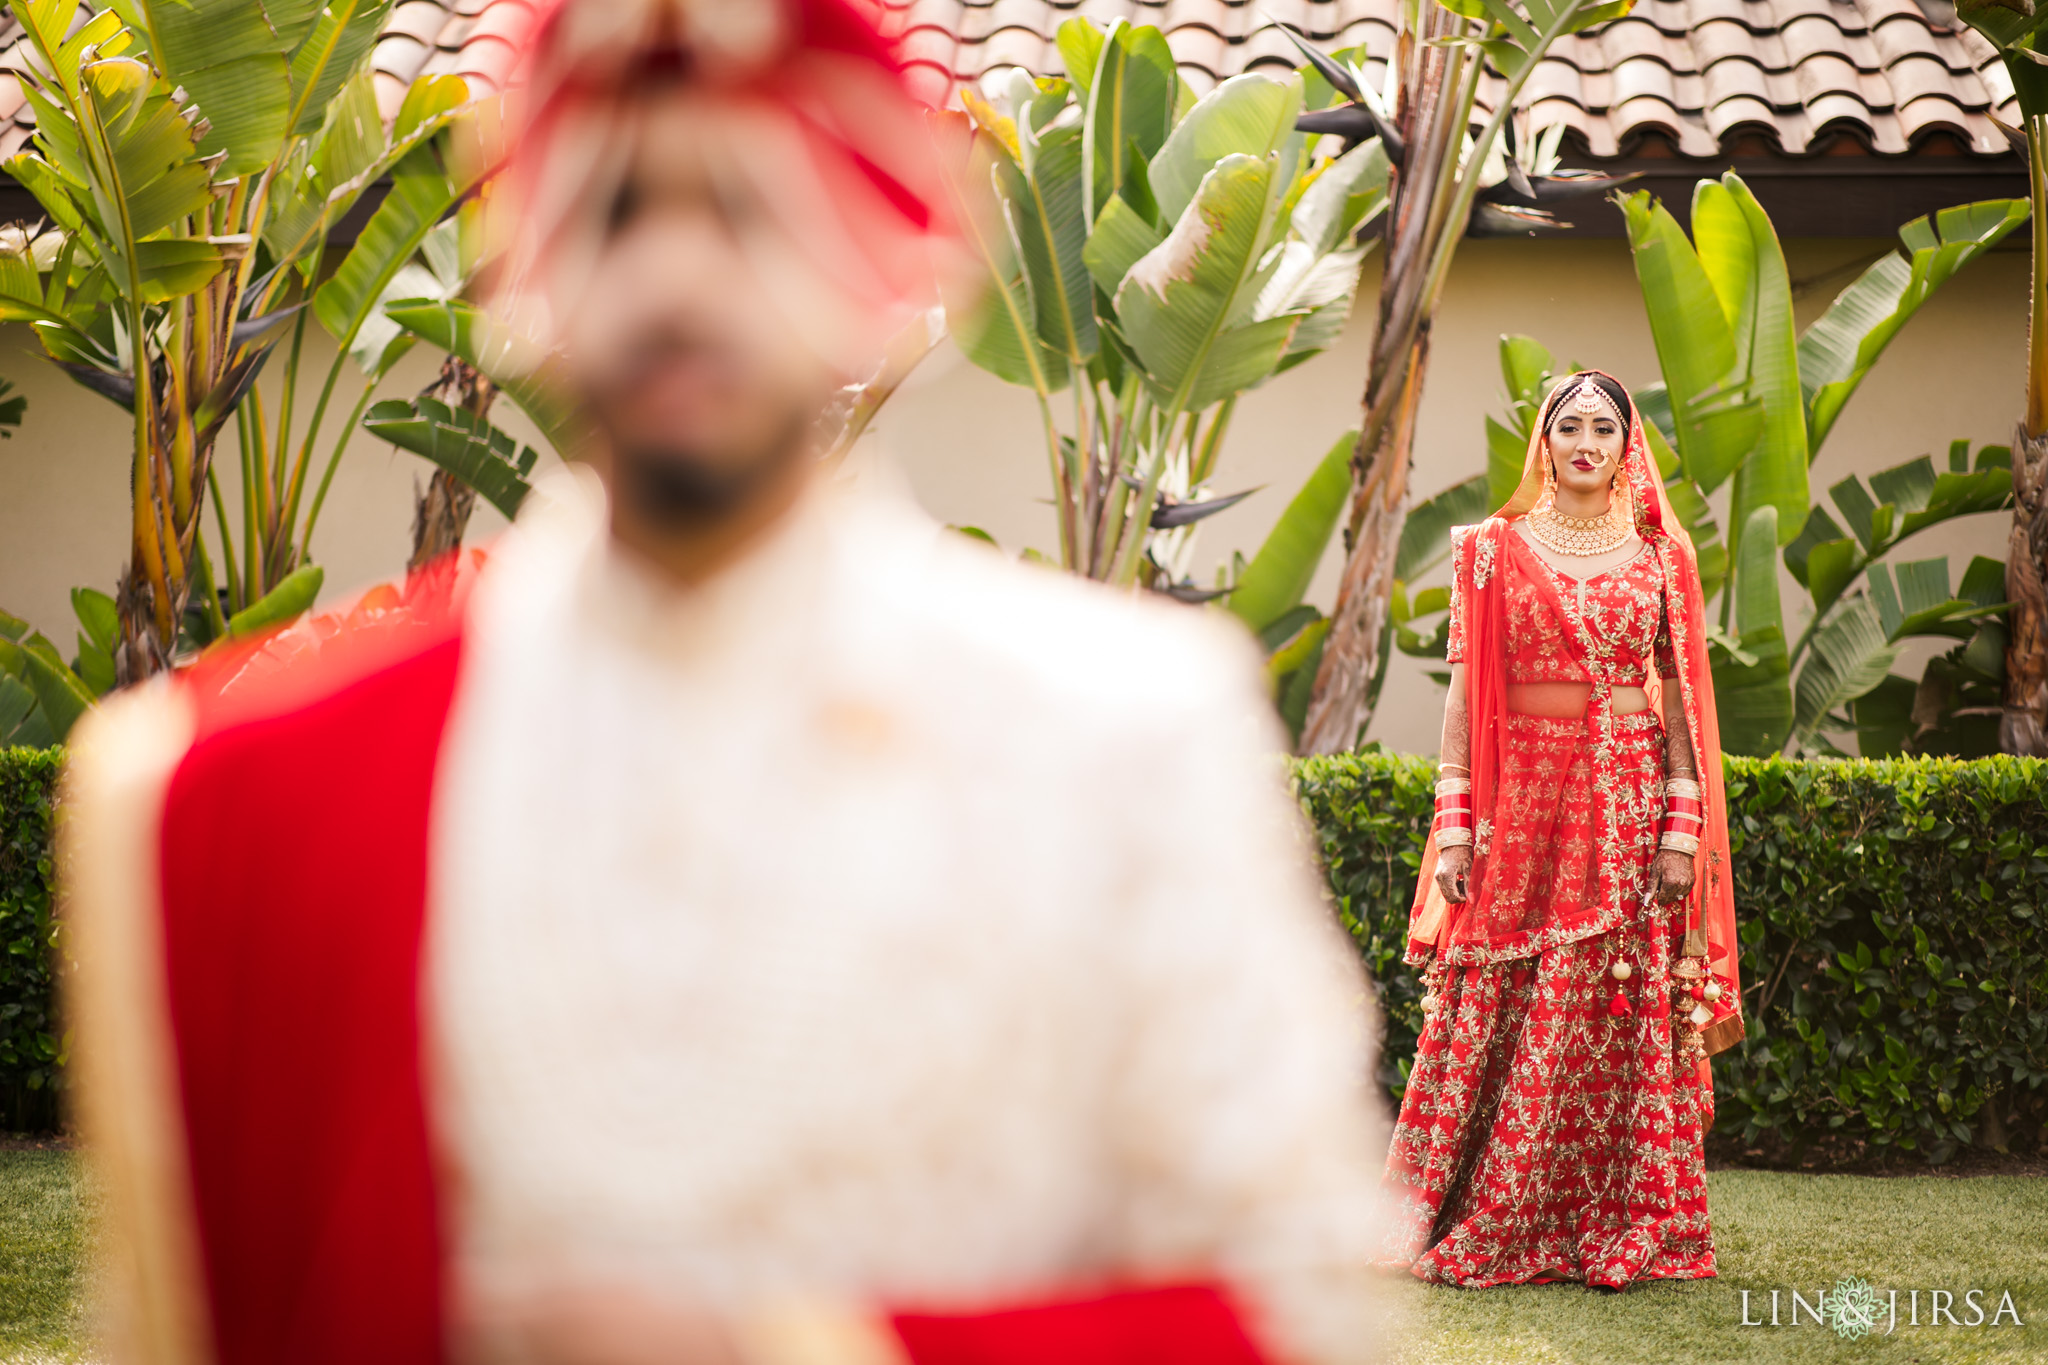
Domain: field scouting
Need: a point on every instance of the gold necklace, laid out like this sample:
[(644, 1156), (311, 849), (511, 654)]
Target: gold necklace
[(1580, 537)]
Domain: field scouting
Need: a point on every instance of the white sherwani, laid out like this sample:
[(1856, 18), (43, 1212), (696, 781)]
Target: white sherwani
[(880, 923)]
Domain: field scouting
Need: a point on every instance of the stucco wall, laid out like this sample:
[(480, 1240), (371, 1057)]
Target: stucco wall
[(972, 448), (64, 484), (970, 445)]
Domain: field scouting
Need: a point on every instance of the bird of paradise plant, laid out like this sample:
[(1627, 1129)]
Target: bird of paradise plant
[(193, 158), (1147, 257)]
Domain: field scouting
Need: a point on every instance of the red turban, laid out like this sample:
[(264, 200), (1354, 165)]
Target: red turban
[(822, 128)]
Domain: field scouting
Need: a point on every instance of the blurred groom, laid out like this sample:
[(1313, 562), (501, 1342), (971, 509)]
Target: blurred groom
[(755, 926)]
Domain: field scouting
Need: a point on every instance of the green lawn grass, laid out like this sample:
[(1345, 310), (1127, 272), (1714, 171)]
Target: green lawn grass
[(1774, 1232), (44, 1211)]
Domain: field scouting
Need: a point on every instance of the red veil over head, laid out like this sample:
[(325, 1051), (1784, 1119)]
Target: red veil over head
[(1709, 911)]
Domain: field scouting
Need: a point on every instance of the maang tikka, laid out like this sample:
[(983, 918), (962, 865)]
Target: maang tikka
[(1590, 400)]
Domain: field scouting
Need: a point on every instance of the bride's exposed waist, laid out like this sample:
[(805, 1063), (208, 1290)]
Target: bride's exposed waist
[(1567, 699)]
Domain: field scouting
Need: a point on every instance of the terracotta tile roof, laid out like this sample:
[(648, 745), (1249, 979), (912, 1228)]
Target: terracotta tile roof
[(474, 39), (1702, 73)]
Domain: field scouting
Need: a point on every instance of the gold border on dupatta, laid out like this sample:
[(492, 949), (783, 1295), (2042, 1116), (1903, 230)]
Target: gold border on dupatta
[(109, 834)]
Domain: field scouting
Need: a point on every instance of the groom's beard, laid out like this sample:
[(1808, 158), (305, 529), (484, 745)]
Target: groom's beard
[(670, 488)]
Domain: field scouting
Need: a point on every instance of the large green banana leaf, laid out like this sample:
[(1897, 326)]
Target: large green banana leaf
[(1526, 367), (1317, 274), (521, 368), (1716, 422), (1129, 84), (449, 257), (1250, 115), (22, 723), (1913, 598), (1738, 249), (1344, 196), (1426, 533), (1122, 237), (99, 629), (1841, 346), (173, 267), (123, 170), (469, 447), (1908, 498), (1688, 504), (1278, 577), (1853, 650), (259, 70), (423, 189), (287, 602), (1080, 45), (992, 320), (1178, 302), (1043, 191), (1850, 656), (154, 163), (330, 56), (33, 292), (2004, 23), (1752, 688), (60, 696), (325, 176)]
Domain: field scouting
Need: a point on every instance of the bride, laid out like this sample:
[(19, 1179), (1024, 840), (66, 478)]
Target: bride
[(1574, 913)]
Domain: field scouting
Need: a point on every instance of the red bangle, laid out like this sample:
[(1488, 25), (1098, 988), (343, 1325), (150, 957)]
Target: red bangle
[(1683, 815)]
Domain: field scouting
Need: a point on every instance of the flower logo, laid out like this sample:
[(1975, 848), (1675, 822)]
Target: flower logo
[(1852, 1307)]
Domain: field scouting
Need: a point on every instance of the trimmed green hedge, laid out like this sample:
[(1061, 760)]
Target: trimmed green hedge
[(31, 1044), (1894, 928), (1894, 923)]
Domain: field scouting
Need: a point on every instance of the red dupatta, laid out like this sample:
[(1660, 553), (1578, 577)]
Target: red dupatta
[(1479, 601)]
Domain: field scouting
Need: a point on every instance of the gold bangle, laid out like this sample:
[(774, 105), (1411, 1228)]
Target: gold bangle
[(1454, 836), (1679, 843)]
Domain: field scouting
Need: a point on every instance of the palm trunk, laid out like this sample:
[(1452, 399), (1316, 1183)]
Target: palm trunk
[(141, 653), (441, 511), (150, 599), (440, 516), (2023, 729), (169, 479), (1342, 703), (1433, 96)]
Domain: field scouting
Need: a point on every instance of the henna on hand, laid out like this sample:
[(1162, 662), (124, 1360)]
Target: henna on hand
[(1671, 876), (1457, 738), (1671, 872), (1679, 760), (1453, 865)]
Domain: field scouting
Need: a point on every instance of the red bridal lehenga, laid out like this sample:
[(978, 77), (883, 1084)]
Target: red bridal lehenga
[(1554, 1115)]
